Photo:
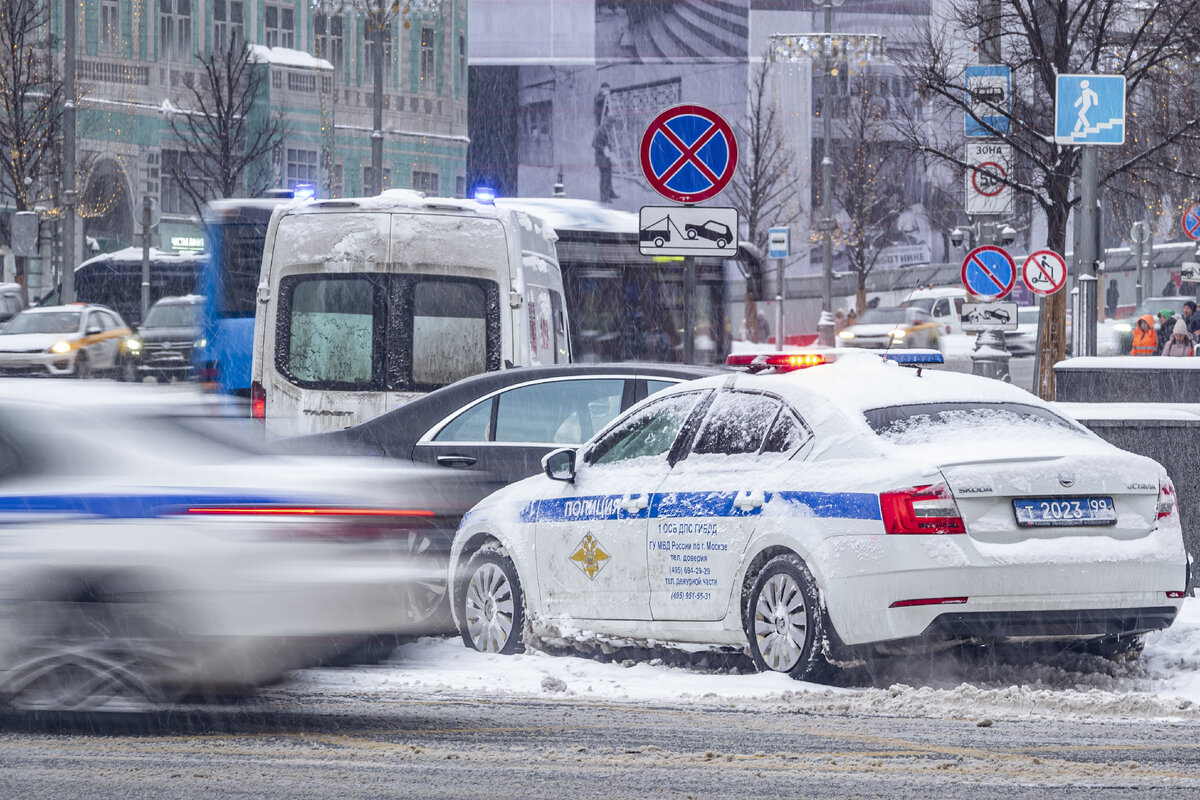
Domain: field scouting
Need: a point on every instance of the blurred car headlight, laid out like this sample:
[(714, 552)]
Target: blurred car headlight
[(1122, 327), (897, 333), (60, 347), (200, 343), (847, 334), (132, 345)]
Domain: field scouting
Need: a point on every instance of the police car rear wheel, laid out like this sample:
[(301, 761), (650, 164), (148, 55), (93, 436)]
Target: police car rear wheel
[(783, 620), (492, 609)]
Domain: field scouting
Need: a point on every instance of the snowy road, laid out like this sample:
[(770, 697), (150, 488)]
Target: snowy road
[(439, 720)]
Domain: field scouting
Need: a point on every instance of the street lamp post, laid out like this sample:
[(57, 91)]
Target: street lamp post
[(827, 50)]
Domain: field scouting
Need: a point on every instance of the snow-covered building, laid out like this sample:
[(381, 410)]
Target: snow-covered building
[(136, 60)]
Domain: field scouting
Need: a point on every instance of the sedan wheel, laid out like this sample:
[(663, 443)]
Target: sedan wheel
[(492, 609), (783, 620)]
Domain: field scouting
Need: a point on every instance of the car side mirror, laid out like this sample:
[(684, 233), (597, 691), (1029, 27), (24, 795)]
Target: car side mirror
[(92, 330), (559, 465)]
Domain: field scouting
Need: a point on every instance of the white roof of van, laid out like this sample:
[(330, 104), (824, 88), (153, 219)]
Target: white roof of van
[(939, 291), (570, 214)]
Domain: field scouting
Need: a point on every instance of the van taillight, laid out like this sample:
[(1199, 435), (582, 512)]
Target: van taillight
[(1166, 499), (921, 509), (258, 401)]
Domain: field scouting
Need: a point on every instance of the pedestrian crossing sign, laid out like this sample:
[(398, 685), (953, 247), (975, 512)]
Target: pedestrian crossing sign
[(1090, 109)]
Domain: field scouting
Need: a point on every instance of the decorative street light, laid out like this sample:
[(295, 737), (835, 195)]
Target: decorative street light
[(827, 51)]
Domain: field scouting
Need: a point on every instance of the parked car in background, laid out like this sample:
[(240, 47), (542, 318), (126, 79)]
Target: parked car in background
[(944, 304), (892, 327), (485, 432), (12, 300), (151, 552), (162, 346), (78, 340)]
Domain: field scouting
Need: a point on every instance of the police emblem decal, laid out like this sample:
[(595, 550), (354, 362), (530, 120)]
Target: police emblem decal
[(590, 557)]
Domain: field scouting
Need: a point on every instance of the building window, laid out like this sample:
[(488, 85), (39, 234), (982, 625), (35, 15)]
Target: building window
[(172, 198), (279, 22), (426, 182), (301, 167), (228, 23), (175, 29), (462, 60), (368, 184), (369, 51), (331, 39), (427, 59), (110, 25), (460, 186)]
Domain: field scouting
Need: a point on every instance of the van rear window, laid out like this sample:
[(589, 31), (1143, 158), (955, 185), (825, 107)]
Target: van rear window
[(378, 332)]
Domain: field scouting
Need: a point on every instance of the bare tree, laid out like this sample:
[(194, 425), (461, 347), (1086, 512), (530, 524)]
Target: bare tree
[(31, 102), (766, 188), (221, 133), (1039, 40), (867, 161)]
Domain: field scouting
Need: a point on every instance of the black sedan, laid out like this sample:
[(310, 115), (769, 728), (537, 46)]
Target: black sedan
[(493, 429)]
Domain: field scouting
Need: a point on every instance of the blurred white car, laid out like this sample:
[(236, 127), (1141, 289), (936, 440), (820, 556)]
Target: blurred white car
[(143, 556), (822, 516)]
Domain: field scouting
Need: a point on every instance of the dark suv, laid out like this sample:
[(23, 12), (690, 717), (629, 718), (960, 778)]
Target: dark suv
[(162, 346)]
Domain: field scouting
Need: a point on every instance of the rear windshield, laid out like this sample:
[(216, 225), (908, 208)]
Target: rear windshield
[(922, 423)]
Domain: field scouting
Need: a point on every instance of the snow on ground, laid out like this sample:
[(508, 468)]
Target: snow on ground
[(1164, 684)]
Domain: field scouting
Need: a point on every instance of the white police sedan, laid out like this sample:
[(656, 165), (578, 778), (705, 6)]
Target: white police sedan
[(826, 515)]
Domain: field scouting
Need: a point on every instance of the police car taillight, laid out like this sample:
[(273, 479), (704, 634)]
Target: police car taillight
[(781, 362), (921, 509), (1166, 499)]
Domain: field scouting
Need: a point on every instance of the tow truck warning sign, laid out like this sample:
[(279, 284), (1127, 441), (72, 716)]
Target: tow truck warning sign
[(687, 231)]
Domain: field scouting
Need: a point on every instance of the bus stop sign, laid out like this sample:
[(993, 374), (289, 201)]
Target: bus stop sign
[(689, 154)]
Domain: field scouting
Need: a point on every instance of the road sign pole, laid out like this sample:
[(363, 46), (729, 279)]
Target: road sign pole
[(1088, 257), (1136, 234), (779, 304)]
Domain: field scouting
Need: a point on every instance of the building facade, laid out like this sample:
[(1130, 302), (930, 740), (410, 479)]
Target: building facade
[(137, 58)]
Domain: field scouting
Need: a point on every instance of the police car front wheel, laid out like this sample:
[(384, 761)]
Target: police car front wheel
[(492, 608), (783, 620)]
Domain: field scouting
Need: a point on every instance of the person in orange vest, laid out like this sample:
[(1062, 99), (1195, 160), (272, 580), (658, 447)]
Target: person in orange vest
[(1145, 341)]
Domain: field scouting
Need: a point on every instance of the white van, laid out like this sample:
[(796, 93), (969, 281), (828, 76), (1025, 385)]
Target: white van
[(944, 304), (366, 303)]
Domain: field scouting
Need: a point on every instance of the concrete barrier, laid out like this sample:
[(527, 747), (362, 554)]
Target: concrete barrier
[(1127, 379)]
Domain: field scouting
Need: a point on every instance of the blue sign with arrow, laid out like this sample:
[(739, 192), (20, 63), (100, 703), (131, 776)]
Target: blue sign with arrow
[(1089, 109), (989, 272)]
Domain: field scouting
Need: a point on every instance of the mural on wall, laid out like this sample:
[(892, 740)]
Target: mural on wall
[(635, 31)]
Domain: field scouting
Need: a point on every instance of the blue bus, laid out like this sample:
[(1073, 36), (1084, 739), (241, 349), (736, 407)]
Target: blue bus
[(235, 232)]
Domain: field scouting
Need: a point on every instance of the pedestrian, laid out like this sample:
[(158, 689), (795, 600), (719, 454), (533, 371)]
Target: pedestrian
[(1169, 288), (1112, 298), (1192, 319), (1164, 329), (1145, 342), (603, 144), (839, 321), (873, 302), (1180, 343)]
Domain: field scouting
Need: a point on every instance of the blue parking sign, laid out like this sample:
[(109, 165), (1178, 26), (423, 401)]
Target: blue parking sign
[(1089, 109)]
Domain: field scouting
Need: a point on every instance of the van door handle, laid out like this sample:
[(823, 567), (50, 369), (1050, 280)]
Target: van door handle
[(454, 460)]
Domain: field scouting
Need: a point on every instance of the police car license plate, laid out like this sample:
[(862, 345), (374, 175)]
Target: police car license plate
[(1042, 512)]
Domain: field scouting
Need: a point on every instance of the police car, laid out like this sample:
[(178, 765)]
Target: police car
[(824, 515)]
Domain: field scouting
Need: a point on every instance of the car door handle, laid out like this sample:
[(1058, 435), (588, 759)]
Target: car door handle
[(453, 460), (747, 501), (634, 504)]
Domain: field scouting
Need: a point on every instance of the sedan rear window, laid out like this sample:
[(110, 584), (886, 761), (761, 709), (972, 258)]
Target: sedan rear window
[(922, 423)]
